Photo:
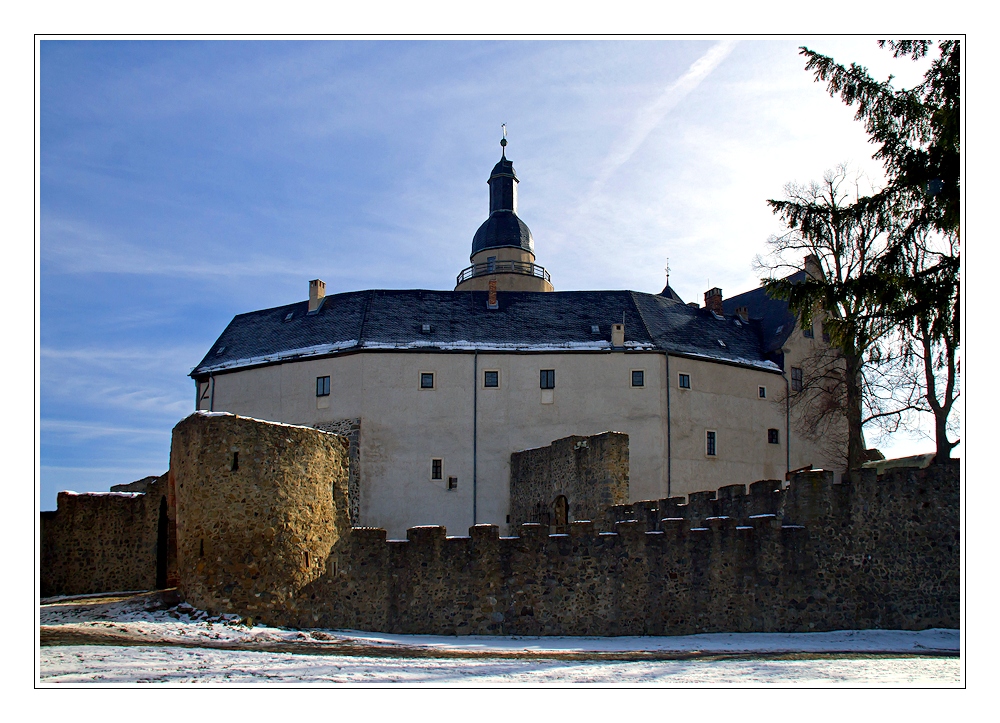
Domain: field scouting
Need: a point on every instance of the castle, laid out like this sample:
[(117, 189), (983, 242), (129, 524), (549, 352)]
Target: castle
[(436, 389), (610, 499), (253, 519)]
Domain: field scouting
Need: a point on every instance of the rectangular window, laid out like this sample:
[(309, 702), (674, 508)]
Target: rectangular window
[(437, 466), (762, 392), (491, 264), (710, 444), (638, 378), (322, 386), (684, 381), (796, 379), (807, 333), (453, 483), (491, 379), (426, 380), (547, 379), (772, 436)]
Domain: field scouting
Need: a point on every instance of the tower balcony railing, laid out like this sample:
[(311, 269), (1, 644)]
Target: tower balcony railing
[(504, 267)]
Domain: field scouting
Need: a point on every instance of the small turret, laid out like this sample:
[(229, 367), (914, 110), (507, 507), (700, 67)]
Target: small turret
[(503, 249)]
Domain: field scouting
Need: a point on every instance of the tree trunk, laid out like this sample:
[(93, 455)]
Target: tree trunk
[(855, 436), (941, 409)]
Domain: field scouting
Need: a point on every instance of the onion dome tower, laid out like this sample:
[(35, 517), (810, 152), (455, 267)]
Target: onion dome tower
[(503, 249)]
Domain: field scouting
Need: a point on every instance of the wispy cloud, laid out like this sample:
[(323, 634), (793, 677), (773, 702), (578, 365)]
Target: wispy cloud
[(81, 431), (650, 116)]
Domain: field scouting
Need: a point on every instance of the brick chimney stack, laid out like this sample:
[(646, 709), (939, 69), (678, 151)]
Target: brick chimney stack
[(743, 312), (491, 302), (713, 300), (617, 335), (317, 292)]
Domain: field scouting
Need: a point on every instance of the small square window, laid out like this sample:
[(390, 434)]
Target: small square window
[(595, 329), (684, 381), (491, 379), (762, 392), (638, 378), (322, 386), (796, 379), (710, 444), (437, 468), (426, 380), (453, 483), (807, 333), (547, 379), (772, 436)]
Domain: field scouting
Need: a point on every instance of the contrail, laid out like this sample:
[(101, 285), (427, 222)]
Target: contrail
[(649, 117)]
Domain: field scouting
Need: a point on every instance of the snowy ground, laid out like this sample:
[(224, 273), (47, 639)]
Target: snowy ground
[(131, 639)]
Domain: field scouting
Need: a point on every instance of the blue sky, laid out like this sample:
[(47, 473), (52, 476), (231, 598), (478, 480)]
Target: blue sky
[(184, 182)]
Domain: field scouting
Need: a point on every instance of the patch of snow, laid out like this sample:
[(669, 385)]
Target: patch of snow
[(285, 355), (205, 413)]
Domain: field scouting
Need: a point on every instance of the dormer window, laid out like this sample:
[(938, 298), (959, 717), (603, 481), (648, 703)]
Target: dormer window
[(595, 329), (425, 329)]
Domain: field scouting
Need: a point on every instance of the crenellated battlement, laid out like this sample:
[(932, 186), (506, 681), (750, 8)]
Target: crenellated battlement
[(808, 555)]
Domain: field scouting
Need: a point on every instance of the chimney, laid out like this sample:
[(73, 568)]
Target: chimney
[(491, 302), (317, 292), (743, 312), (812, 266), (713, 300), (617, 335)]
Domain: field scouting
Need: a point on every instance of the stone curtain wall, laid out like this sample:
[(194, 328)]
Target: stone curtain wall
[(259, 508), (101, 542), (350, 428), (591, 472), (883, 553), (860, 560)]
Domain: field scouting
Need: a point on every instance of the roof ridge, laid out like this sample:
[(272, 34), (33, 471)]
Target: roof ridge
[(642, 319), (364, 318)]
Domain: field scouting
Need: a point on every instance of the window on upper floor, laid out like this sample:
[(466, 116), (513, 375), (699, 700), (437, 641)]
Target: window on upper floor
[(547, 379), (684, 381), (710, 447), (796, 379), (762, 392), (772, 436), (638, 378), (426, 380), (322, 386), (807, 332), (437, 468), (491, 379)]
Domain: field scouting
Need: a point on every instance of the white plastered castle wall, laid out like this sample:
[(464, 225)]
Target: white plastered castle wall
[(404, 427)]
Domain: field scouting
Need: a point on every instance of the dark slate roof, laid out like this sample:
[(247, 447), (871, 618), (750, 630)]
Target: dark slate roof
[(776, 321), (503, 228), (503, 168), (671, 294), (460, 320)]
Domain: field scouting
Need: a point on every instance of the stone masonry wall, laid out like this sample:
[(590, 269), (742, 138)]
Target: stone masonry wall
[(260, 506), (590, 472), (883, 553), (350, 428), (854, 563), (102, 542)]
